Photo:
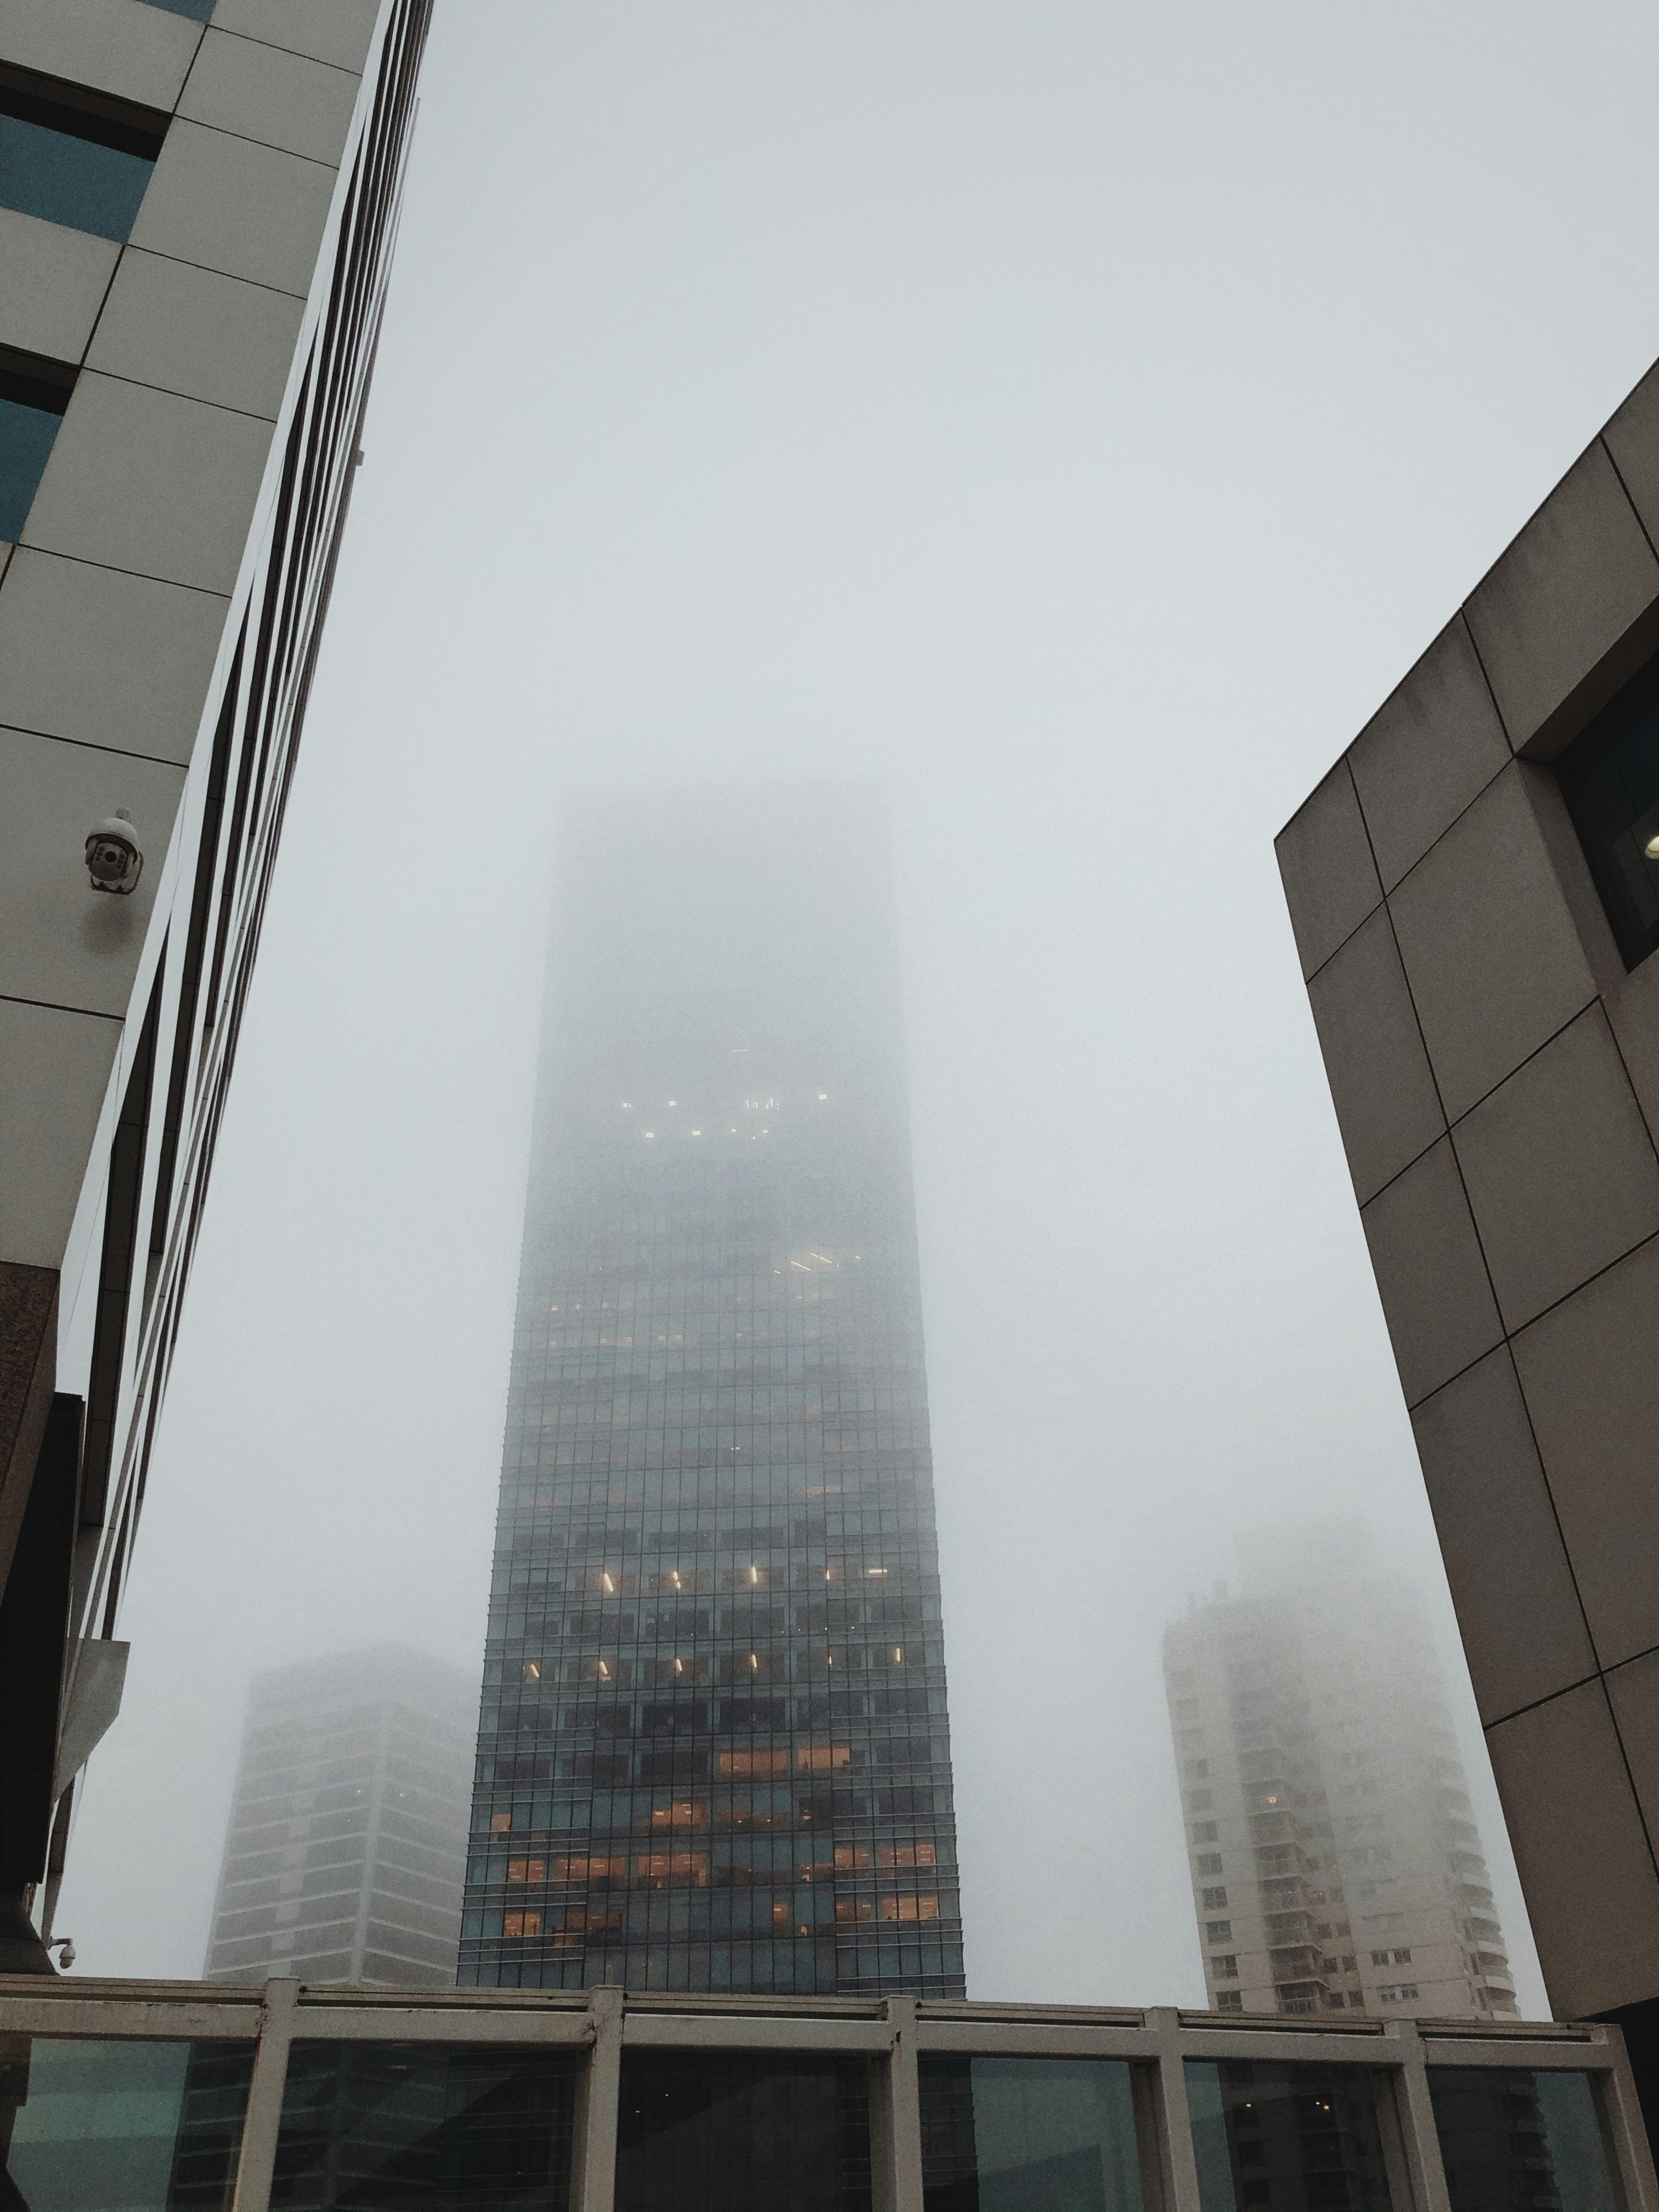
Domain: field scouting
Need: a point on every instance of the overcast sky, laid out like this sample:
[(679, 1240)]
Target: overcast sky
[(1079, 417)]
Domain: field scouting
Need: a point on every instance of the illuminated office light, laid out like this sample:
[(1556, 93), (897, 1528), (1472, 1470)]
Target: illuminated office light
[(605, 1578), (754, 1574), (1651, 848)]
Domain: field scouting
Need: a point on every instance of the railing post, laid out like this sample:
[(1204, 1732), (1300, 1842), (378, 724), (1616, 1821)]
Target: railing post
[(1179, 2160), (599, 2105), (1633, 2152), (262, 2123), (896, 2116), (1421, 2142)]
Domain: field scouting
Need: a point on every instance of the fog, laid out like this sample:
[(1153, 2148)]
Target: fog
[(1077, 416)]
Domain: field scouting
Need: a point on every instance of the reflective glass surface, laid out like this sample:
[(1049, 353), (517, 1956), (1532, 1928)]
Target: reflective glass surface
[(1029, 2134), (70, 180), (1287, 2138), (121, 2127), (1610, 779), (26, 434), (742, 2131), (713, 1751), (1521, 2143), (420, 2127)]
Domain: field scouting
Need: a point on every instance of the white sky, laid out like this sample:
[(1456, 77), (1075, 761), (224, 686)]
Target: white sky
[(1079, 415)]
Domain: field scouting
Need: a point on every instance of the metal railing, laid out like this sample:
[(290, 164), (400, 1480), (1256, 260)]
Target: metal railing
[(892, 2034)]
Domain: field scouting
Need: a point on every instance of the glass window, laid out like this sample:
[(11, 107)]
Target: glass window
[(121, 2127), (73, 156), (1286, 2137), (743, 2131), (1514, 2141), (391, 2127), (34, 394), (1609, 777), (1029, 2134)]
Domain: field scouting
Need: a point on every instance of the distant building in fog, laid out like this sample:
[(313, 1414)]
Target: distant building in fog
[(347, 1843), (1335, 1861)]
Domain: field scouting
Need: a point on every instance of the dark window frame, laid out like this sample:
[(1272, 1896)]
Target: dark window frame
[(1574, 767)]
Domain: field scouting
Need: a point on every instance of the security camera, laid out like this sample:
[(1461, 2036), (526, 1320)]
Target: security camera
[(113, 859)]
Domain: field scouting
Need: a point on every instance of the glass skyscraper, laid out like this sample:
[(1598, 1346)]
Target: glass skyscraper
[(713, 1751)]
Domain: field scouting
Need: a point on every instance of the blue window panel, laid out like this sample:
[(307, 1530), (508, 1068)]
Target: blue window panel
[(69, 180), (26, 440), (197, 10)]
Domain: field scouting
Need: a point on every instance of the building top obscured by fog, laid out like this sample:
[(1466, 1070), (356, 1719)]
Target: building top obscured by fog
[(1336, 1864), (346, 1846)]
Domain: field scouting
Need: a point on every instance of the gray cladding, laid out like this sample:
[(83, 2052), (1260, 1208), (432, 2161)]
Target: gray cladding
[(1495, 1070), (159, 613)]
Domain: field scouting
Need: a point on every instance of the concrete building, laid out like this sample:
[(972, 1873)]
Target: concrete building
[(1335, 1859), (175, 2095), (713, 1751), (198, 202), (1474, 894), (346, 1844)]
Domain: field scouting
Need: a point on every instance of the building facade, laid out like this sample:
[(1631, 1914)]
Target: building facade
[(176, 2094), (1335, 1859), (196, 209), (346, 1844), (714, 1751), (1474, 889)]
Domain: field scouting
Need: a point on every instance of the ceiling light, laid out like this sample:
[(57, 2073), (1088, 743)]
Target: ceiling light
[(1651, 848)]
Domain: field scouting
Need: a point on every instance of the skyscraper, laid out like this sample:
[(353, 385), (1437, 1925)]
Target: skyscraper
[(347, 1836), (197, 204), (713, 1751), (1336, 1864)]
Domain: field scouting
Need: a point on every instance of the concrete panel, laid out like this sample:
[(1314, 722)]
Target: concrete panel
[(1559, 1169), (1632, 1007), (1386, 1104), (194, 331), (1523, 1630), (61, 941), (1429, 1275), (144, 480), (53, 281), (1576, 579), (142, 53), (1324, 861), (1430, 750), (103, 657), (264, 92), (1592, 1895), (1591, 1381), (1633, 440), (337, 31), (1633, 1693), (228, 204), (1495, 965), (57, 1067)]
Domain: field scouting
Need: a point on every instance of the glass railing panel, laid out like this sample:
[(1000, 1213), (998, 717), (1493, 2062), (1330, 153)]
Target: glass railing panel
[(1514, 2141), (1029, 2134), (425, 2127), (109, 2126), (1280, 2136)]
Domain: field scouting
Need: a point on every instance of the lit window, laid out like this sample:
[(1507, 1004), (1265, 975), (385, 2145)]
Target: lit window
[(522, 1923)]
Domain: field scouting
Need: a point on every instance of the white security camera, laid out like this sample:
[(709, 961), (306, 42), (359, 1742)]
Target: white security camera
[(113, 859)]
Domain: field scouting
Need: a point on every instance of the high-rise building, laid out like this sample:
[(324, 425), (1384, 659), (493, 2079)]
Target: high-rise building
[(347, 1840), (713, 1751), (198, 202), (1475, 890), (1335, 1859)]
